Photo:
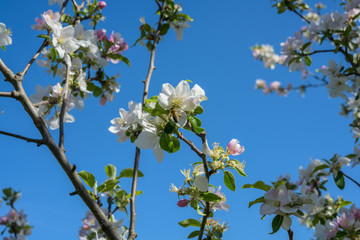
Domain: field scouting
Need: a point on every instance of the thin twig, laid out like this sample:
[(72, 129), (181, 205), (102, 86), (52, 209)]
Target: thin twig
[(41, 103), (39, 142), (63, 108), (351, 179), (316, 52), (132, 233), (37, 54), (300, 15)]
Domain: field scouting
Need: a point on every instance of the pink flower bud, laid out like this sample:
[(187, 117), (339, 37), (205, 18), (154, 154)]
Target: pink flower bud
[(3, 220), (101, 34), (234, 148), (182, 203), (103, 100), (102, 4)]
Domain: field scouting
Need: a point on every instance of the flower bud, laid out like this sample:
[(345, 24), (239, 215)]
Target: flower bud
[(3, 220), (102, 5), (234, 148), (182, 203)]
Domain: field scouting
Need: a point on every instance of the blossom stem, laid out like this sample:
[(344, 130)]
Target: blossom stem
[(291, 234), (132, 233), (351, 179)]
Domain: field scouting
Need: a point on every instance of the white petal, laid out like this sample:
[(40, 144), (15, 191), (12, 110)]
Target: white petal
[(167, 89), (183, 89), (286, 224), (164, 101), (158, 152), (201, 183), (146, 140), (198, 91), (267, 209), (205, 148), (190, 103), (182, 118)]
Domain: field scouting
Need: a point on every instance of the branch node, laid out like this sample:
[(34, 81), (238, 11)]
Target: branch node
[(73, 168), (73, 193)]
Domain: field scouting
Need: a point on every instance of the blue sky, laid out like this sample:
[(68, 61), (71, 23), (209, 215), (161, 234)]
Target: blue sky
[(279, 133)]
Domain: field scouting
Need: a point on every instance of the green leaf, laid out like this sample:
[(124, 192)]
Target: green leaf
[(195, 125), (210, 197), (128, 172), (88, 178), (3, 48), (110, 171), (169, 143), (198, 110), (108, 185), (190, 223), (169, 127), (239, 170), (164, 29), (43, 36), (276, 223), (199, 211), (53, 54), (97, 91), (194, 234), (320, 167), (307, 60), (344, 203), (229, 180), (259, 185), (259, 200), (305, 46), (340, 180)]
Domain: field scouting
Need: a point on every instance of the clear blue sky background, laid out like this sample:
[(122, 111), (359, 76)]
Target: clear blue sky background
[(279, 133)]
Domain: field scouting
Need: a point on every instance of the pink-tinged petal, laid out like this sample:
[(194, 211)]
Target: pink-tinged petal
[(102, 4), (267, 209)]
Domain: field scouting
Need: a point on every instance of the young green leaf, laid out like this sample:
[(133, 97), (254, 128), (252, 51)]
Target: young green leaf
[(276, 223), (190, 223), (110, 171), (229, 180), (340, 180), (88, 178), (128, 172)]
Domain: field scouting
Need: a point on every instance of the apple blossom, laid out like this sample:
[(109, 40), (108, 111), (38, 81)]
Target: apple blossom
[(234, 148), (179, 27), (5, 33)]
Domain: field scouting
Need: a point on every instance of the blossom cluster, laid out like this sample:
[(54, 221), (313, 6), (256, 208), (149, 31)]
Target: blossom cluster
[(146, 126), (15, 222), (91, 230), (72, 51)]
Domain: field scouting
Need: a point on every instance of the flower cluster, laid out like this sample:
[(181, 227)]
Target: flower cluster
[(15, 222), (266, 54), (274, 87), (91, 230), (151, 126)]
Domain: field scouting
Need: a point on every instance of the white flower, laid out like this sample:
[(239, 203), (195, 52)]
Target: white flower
[(179, 28), (64, 41), (148, 139), (181, 96), (5, 38)]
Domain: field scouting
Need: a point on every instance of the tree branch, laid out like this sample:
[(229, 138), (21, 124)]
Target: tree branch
[(38, 142), (37, 54), (63, 108), (12, 94), (132, 234), (290, 234)]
